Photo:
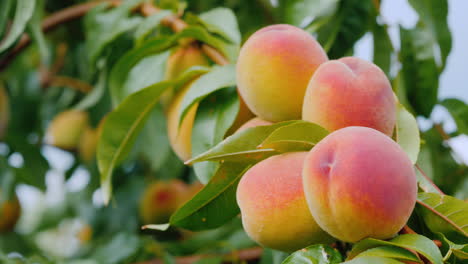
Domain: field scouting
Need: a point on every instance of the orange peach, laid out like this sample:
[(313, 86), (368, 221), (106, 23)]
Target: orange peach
[(359, 183), (180, 60), (350, 92), (256, 121), (273, 69), (66, 129), (10, 212), (180, 135), (161, 199), (273, 207)]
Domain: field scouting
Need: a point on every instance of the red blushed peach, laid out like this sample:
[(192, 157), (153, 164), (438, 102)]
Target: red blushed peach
[(273, 207), (350, 92), (359, 183), (273, 69)]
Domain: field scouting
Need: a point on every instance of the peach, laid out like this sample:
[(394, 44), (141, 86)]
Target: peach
[(273, 69), (66, 129), (161, 199), (180, 136), (256, 121), (359, 183), (350, 92), (273, 207), (243, 116), (10, 212), (180, 60)]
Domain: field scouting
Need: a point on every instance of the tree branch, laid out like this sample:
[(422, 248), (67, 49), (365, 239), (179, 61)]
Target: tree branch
[(244, 254), (51, 22)]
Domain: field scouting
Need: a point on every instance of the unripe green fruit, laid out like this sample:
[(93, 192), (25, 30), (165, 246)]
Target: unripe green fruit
[(273, 207), (160, 200), (359, 183), (66, 129)]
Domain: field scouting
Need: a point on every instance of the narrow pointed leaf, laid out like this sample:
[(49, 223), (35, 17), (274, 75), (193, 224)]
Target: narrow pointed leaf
[(23, 13), (215, 204), (407, 133), (316, 254)]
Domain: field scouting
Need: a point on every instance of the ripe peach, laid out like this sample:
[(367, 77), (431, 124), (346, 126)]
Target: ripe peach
[(66, 129), (273, 207), (160, 200), (180, 137), (10, 212), (273, 69), (256, 121), (179, 61), (350, 92), (359, 183), (243, 116)]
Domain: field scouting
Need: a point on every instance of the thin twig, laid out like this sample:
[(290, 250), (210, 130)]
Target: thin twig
[(177, 25), (63, 16), (429, 179)]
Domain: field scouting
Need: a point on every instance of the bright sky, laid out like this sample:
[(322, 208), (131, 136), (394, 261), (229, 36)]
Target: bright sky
[(451, 84)]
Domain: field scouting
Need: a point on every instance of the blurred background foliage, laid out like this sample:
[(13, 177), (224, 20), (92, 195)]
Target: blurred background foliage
[(63, 217)]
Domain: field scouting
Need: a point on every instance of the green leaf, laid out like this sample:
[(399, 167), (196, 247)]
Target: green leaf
[(459, 111), (424, 182), (93, 97), (459, 251), (218, 78), (124, 65), (121, 69), (215, 204), (418, 243), (35, 29), (420, 73), (222, 21), (104, 25), (5, 7), (23, 13), (316, 254), (407, 133), (148, 25), (383, 48), (121, 128), (444, 214), (146, 72), (214, 117), (296, 12), (392, 252), (351, 21), (242, 146), (434, 15), (299, 136), (373, 260)]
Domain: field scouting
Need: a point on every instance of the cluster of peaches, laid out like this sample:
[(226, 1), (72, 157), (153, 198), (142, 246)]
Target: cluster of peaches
[(355, 183)]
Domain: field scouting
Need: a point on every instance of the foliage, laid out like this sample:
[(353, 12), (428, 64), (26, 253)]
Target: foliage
[(112, 64)]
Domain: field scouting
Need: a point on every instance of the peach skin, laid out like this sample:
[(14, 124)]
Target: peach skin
[(359, 183), (350, 92), (273, 207), (273, 69)]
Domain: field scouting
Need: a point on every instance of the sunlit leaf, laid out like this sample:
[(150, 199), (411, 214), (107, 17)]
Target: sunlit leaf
[(316, 254), (215, 204), (407, 133), (23, 13), (444, 214), (418, 243)]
